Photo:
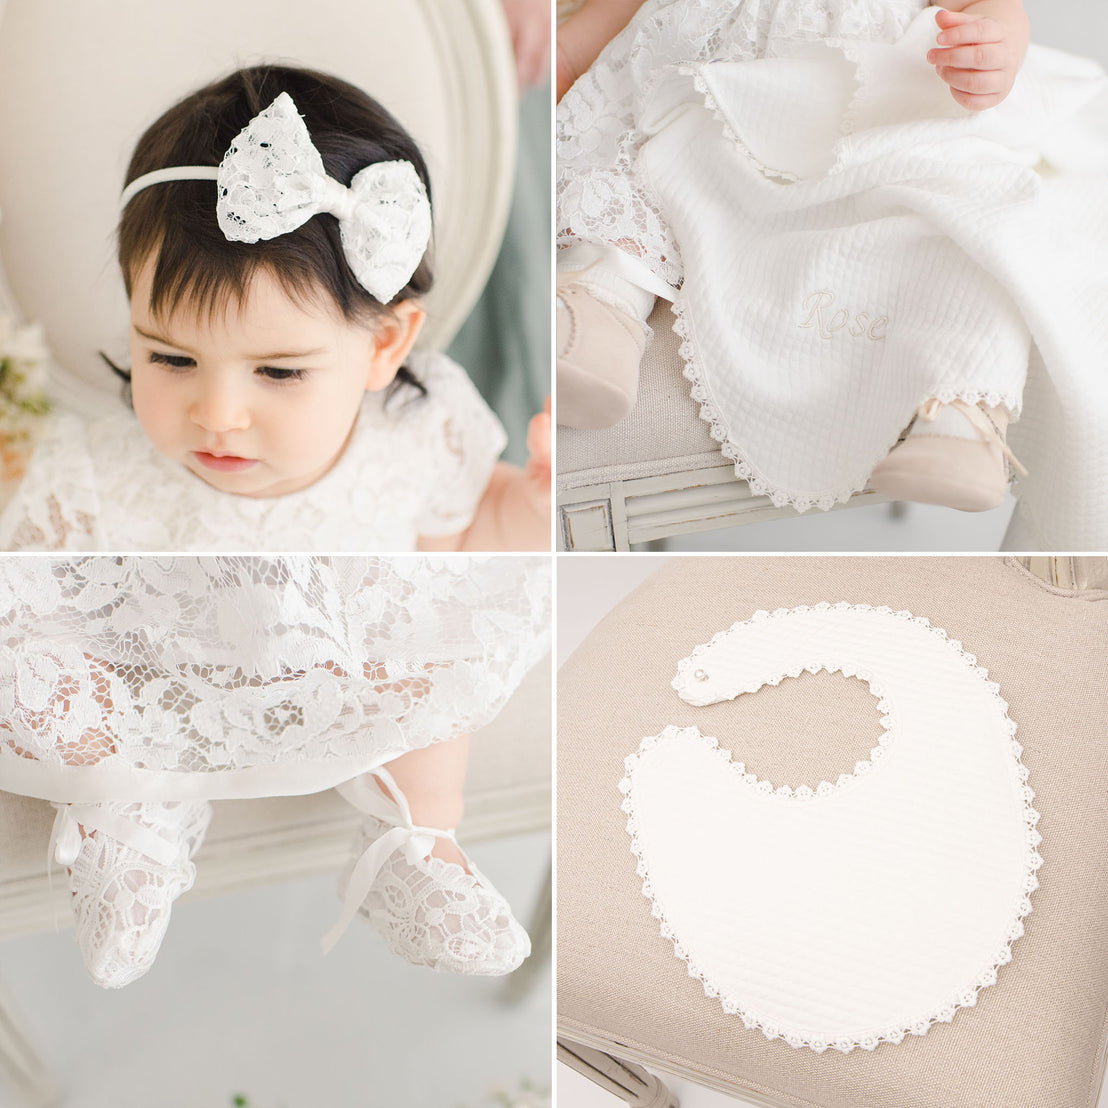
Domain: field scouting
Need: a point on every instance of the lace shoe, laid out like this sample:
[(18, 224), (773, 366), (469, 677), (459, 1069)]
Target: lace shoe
[(126, 869), (954, 454), (430, 912)]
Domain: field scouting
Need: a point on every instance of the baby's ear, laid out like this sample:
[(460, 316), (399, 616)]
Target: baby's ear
[(394, 336)]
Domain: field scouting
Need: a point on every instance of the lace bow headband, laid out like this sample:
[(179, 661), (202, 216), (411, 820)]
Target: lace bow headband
[(272, 180)]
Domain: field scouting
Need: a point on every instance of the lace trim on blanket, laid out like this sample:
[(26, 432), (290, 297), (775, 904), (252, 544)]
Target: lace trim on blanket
[(685, 679), (745, 467)]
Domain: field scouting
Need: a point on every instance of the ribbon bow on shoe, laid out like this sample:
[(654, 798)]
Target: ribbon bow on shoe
[(66, 837), (272, 181), (431, 913), (125, 871)]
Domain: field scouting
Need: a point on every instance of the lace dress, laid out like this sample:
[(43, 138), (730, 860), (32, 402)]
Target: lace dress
[(413, 466), (842, 242), (210, 677)]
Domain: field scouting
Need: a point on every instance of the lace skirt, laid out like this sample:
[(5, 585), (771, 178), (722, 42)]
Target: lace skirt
[(178, 678), (599, 124)]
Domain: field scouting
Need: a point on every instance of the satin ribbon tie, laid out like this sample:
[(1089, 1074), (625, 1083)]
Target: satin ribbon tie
[(66, 838), (414, 840)]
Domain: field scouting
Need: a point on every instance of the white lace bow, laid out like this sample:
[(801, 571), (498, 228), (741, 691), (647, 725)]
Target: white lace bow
[(272, 181)]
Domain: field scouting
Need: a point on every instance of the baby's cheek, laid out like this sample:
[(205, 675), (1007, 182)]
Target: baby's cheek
[(153, 408), (324, 429)]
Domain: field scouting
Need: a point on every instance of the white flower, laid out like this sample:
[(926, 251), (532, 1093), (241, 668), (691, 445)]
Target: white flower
[(25, 344)]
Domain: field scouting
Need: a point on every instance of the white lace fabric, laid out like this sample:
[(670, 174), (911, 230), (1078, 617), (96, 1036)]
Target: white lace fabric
[(433, 913), (600, 122), (179, 677), (413, 466), (272, 181), (122, 897), (847, 913)]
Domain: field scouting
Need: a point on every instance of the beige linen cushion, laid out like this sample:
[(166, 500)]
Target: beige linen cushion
[(1036, 1038)]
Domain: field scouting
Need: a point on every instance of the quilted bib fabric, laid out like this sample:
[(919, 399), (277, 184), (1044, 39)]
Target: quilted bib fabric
[(847, 913)]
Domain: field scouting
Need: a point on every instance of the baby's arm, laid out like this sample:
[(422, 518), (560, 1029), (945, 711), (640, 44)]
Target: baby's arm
[(514, 513), (981, 49), (585, 33)]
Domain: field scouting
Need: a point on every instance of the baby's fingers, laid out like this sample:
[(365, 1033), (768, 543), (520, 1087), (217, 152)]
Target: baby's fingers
[(971, 33), (978, 82), (538, 438), (978, 56)]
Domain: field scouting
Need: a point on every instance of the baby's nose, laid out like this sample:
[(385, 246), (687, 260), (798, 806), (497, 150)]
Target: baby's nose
[(219, 407)]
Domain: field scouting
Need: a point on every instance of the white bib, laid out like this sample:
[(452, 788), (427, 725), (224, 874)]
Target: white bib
[(849, 913)]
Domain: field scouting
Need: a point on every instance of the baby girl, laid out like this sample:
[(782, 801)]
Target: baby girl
[(274, 241), (788, 174), (135, 690)]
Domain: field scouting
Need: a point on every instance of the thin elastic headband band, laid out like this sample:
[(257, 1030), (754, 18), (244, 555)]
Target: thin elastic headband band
[(170, 173)]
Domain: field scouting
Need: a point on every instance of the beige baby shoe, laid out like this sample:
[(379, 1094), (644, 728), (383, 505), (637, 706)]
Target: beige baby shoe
[(599, 350), (954, 454)]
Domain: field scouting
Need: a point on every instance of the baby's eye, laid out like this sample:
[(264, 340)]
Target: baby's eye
[(273, 373), (174, 361)]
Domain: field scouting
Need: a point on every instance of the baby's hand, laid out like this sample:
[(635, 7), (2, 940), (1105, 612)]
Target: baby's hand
[(979, 55), (537, 471)]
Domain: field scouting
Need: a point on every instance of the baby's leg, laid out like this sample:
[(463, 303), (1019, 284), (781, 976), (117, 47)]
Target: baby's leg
[(432, 779), (602, 308)]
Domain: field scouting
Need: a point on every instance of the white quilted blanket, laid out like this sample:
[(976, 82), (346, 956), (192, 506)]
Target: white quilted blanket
[(854, 243)]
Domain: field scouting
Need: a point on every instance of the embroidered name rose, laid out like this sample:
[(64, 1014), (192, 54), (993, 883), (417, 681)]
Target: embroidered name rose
[(827, 319)]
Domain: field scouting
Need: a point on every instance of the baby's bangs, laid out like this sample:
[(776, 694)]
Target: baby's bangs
[(198, 270), (210, 284)]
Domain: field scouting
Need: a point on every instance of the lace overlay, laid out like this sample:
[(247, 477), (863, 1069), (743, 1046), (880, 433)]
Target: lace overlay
[(179, 677), (432, 913), (122, 898), (414, 466), (602, 122), (857, 911)]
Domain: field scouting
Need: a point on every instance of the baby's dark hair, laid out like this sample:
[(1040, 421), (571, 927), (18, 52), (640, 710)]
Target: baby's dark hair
[(175, 222)]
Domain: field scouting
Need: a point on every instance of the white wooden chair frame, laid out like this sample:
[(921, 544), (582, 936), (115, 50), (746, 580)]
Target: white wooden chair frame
[(615, 514)]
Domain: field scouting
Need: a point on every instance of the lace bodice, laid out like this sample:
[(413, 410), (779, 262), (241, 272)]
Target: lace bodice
[(413, 466), (165, 678)]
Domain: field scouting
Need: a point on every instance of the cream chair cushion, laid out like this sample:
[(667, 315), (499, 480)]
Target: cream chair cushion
[(1036, 1039)]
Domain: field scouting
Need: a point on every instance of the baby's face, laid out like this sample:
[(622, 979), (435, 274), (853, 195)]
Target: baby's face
[(261, 400)]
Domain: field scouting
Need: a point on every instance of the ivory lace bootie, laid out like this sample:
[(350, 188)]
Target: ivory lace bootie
[(955, 455), (599, 351), (126, 869), (430, 912)]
